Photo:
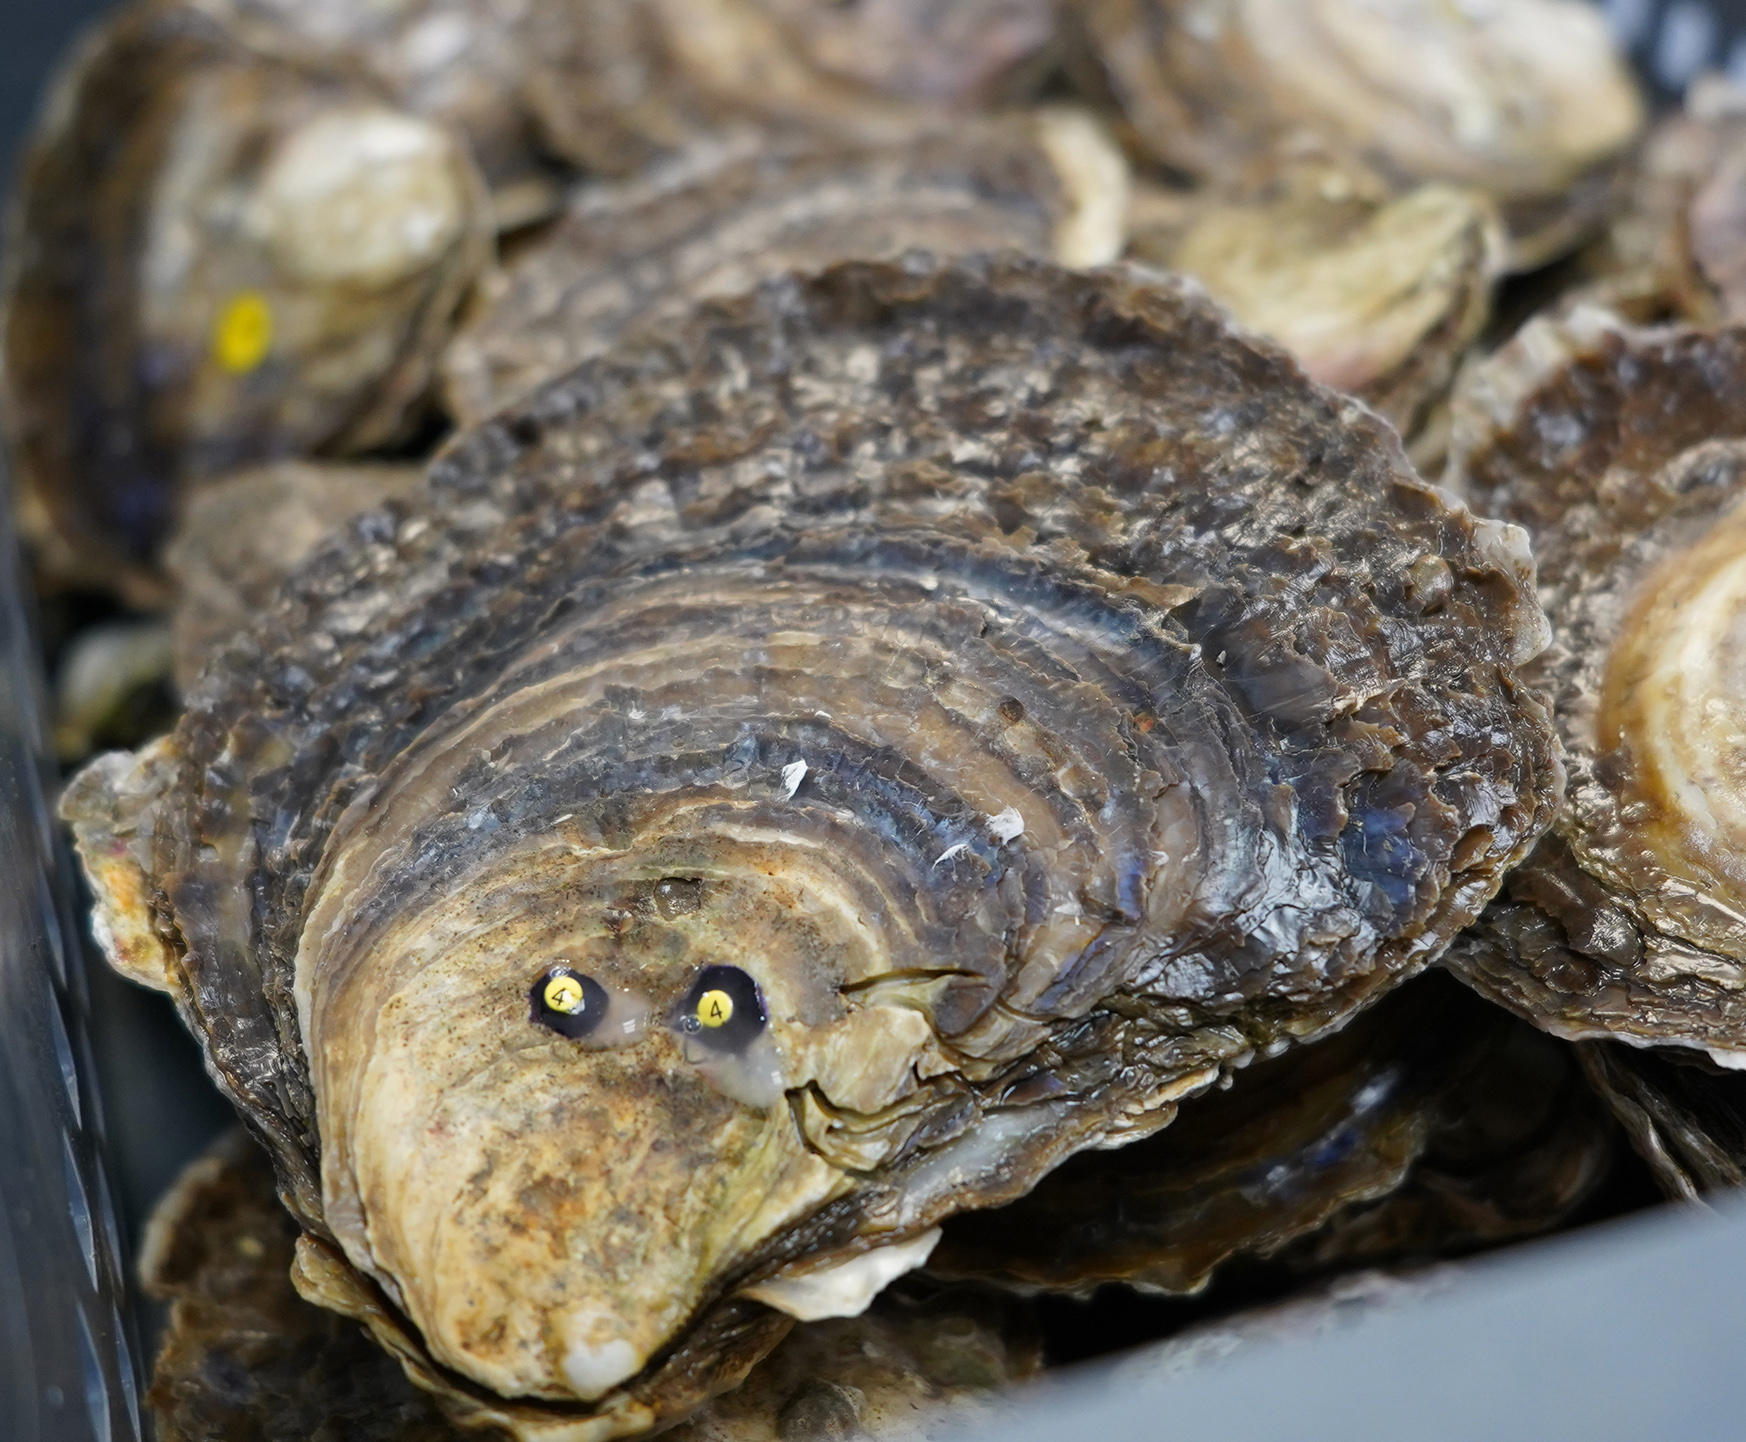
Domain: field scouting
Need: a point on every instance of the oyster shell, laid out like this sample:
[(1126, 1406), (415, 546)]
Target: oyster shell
[(460, 62), (217, 256), (1613, 447), (244, 1357), (726, 215), (241, 536), (1677, 248), (1405, 1133), (616, 82), (1375, 294), (1529, 101), (1686, 1119), (854, 746)]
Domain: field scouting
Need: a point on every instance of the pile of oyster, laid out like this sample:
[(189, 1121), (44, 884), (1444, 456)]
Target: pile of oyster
[(850, 677)]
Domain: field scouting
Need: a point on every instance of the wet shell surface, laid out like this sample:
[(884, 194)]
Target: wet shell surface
[(615, 83), (799, 777), (1621, 451), (245, 1359), (728, 214), (1427, 1125), (217, 256), (1530, 101)]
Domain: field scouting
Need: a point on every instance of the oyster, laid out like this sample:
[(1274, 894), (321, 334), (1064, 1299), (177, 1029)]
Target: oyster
[(217, 256), (461, 62), (853, 747), (1621, 451), (1377, 295), (245, 1357), (726, 215), (1677, 248), (1405, 1133), (241, 536), (616, 82), (1529, 101), (1686, 1119)]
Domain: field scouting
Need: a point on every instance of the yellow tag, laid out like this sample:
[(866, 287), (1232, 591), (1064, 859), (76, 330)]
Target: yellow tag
[(244, 332), (715, 1008), (564, 993)]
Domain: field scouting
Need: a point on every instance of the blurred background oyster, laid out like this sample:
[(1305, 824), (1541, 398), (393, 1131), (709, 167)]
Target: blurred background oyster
[(616, 82), (218, 256), (1528, 101)]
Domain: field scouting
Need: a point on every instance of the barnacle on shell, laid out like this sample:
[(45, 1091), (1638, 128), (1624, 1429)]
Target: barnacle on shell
[(726, 214), (616, 82), (1530, 102), (1623, 452), (1048, 698), (218, 255)]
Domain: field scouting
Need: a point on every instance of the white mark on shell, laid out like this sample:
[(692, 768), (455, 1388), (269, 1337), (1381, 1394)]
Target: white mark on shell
[(1008, 825), (792, 775)]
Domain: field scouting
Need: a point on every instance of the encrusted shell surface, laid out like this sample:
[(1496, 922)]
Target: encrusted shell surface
[(216, 256), (1529, 101), (1432, 1123), (730, 213), (1623, 452), (1038, 696), (245, 1359), (617, 82)]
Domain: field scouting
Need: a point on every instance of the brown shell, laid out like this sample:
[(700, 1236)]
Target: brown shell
[(241, 536), (1430, 1124), (724, 216), (1621, 452), (1686, 1117), (616, 82), (245, 1359), (209, 263), (1418, 93), (1163, 719)]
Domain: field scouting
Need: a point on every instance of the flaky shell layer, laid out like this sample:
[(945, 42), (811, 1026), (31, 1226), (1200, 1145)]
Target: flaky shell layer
[(725, 215), (1621, 450), (1042, 697)]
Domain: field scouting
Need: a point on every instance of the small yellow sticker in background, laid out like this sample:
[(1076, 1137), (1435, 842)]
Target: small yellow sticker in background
[(715, 1008), (244, 332)]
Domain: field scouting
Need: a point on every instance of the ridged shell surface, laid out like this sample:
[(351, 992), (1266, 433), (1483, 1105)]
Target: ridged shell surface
[(1621, 450), (1015, 695)]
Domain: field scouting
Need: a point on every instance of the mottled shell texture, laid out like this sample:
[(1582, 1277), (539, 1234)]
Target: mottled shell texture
[(803, 775)]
